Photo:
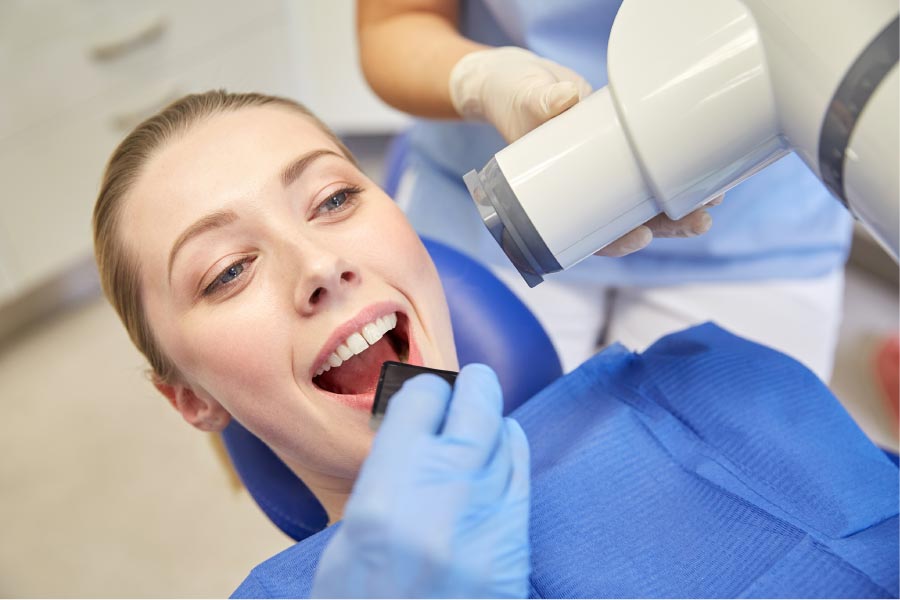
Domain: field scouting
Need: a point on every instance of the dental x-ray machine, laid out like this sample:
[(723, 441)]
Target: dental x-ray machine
[(701, 95)]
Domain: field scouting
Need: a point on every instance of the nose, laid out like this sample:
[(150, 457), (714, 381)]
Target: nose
[(326, 279)]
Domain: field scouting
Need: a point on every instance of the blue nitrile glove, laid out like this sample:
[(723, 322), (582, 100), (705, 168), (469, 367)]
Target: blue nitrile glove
[(440, 508)]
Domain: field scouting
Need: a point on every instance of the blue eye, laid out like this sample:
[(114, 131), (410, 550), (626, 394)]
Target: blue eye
[(338, 201), (228, 275), (335, 202)]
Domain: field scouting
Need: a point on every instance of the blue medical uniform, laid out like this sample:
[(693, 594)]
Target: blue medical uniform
[(780, 223), (708, 466)]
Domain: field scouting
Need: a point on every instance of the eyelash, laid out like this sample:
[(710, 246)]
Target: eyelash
[(350, 191), (218, 285)]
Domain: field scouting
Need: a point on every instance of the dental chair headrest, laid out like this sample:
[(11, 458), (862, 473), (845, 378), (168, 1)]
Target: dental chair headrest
[(490, 325)]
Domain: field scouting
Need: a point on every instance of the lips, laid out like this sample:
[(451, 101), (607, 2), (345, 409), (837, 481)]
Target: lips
[(348, 366)]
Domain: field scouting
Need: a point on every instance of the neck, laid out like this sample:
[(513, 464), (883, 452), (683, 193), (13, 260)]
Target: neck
[(332, 493), (333, 501)]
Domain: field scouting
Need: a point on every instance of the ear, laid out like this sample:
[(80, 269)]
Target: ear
[(203, 413)]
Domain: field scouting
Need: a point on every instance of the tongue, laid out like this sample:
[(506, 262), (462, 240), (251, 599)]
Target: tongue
[(359, 374)]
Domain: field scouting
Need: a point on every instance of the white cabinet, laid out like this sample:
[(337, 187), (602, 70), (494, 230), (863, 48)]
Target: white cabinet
[(75, 75), (112, 45)]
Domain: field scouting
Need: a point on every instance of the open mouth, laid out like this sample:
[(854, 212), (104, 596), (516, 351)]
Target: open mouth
[(354, 366)]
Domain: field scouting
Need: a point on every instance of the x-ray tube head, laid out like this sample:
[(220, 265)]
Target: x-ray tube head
[(538, 196), (509, 225)]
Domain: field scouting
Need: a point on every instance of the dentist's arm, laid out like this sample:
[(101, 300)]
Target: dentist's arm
[(407, 49), (415, 59), (440, 508)]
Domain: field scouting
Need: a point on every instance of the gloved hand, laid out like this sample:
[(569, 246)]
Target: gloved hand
[(440, 507), (513, 89), (662, 226), (516, 90)]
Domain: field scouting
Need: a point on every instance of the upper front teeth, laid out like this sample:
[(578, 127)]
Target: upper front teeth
[(359, 341)]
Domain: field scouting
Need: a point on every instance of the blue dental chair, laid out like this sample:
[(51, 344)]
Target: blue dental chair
[(490, 325)]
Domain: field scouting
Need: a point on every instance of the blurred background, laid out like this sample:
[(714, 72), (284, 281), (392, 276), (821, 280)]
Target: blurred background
[(104, 491)]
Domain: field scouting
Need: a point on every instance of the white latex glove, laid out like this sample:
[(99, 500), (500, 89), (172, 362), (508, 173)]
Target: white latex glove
[(516, 90), (513, 89), (662, 226)]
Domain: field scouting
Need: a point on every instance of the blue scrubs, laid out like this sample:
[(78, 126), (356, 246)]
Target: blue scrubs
[(708, 466), (780, 223)]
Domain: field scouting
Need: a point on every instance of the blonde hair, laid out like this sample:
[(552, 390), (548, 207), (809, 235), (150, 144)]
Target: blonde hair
[(119, 272)]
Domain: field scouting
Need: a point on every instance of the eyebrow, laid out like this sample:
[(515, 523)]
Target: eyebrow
[(289, 174), (295, 168), (210, 221)]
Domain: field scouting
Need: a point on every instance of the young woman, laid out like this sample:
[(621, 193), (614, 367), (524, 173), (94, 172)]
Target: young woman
[(266, 279)]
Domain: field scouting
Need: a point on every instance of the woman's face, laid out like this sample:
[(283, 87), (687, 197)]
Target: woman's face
[(266, 257)]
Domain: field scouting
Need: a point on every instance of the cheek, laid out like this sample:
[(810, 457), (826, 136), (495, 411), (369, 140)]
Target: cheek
[(237, 351), (391, 244), (246, 365), (244, 359)]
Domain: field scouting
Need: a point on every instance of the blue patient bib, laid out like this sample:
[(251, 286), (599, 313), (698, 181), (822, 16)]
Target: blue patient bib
[(708, 466)]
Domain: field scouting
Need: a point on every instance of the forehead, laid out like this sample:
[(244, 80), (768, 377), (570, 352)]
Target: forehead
[(232, 152), (219, 159)]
